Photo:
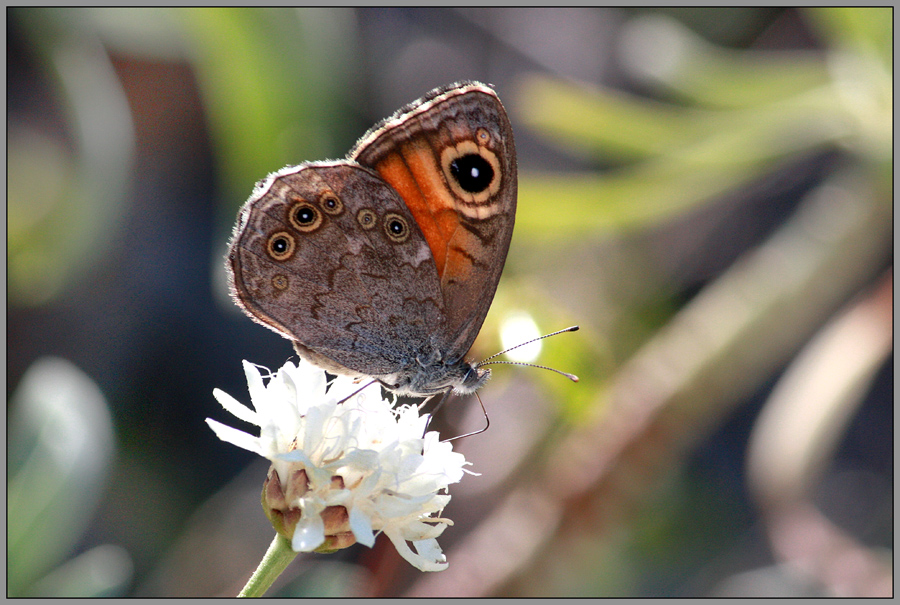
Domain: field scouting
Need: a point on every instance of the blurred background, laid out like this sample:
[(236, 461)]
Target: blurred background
[(706, 192)]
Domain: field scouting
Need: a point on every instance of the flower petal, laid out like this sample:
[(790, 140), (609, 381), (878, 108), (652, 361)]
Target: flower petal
[(435, 562), (361, 527), (255, 385), (235, 407), (431, 551), (234, 436)]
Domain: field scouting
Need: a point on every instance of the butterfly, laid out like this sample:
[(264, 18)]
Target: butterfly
[(384, 264)]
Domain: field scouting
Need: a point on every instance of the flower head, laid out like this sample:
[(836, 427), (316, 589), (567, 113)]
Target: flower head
[(346, 464)]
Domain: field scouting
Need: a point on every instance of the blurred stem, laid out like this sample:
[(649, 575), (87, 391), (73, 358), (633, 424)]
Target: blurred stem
[(799, 430), (275, 561), (809, 409)]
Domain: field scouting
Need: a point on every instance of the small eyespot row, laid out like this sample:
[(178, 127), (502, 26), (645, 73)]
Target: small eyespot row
[(281, 246), (396, 227)]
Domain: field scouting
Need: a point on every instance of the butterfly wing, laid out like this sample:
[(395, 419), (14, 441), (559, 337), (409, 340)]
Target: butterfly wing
[(330, 257), (451, 157)]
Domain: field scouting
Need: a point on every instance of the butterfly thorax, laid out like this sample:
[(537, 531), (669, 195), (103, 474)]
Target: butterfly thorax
[(425, 375), (426, 379)]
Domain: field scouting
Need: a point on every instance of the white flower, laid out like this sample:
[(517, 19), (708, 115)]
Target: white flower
[(358, 465)]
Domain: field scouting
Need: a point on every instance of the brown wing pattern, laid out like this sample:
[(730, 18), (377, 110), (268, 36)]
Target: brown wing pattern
[(468, 224)]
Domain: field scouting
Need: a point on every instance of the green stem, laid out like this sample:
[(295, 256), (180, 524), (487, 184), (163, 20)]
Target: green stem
[(276, 559)]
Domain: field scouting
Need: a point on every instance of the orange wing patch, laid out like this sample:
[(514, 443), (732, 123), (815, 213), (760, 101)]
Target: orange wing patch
[(415, 173)]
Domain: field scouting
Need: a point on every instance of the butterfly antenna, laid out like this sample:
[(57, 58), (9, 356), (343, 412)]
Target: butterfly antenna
[(571, 377), (528, 342), (487, 361)]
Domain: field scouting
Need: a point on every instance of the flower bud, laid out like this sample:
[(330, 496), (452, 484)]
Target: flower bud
[(276, 499)]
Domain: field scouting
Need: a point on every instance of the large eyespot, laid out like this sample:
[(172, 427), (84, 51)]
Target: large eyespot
[(396, 227), (331, 203), (281, 245), (305, 217), (367, 218), (473, 173), (472, 170)]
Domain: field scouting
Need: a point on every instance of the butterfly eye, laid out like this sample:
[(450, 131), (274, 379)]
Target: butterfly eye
[(396, 228), (331, 203), (305, 217), (473, 173), (280, 246)]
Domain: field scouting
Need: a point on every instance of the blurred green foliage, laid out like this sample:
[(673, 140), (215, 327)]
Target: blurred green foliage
[(272, 91), (722, 120), (65, 195), (735, 117)]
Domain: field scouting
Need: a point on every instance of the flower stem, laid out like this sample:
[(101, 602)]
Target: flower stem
[(276, 559)]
